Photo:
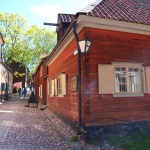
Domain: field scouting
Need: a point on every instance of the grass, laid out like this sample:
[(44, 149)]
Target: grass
[(138, 140), (75, 138)]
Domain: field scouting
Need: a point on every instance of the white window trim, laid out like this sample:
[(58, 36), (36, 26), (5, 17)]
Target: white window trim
[(128, 95), (52, 88), (123, 94), (49, 87), (63, 82), (114, 63), (41, 91), (55, 86), (127, 65), (127, 78)]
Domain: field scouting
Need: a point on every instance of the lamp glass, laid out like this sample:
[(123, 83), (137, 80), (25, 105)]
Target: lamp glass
[(82, 46), (88, 43)]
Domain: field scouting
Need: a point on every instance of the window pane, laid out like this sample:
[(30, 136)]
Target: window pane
[(117, 74), (59, 85), (117, 69), (133, 79), (123, 88), (136, 87), (120, 79), (127, 79)]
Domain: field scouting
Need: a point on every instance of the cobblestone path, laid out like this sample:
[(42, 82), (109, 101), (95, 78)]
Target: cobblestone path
[(29, 128)]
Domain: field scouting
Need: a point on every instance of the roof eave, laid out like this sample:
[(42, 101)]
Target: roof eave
[(99, 23)]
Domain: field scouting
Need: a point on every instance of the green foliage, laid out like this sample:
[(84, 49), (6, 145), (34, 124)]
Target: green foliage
[(42, 40), (17, 74), (75, 138), (23, 44), (138, 140)]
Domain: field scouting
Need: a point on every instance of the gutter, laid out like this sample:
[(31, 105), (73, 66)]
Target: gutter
[(74, 25)]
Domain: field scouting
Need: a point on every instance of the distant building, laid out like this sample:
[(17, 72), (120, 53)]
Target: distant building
[(6, 74), (19, 80), (40, 77)]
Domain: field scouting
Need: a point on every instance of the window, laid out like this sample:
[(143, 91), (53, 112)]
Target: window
[(123, 79), (40, 91), (55, 85), (74, 85), (51, 88), (127, 79), (61, 85)]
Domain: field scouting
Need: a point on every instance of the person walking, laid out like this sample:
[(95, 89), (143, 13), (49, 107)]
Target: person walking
[(22, 92), (19, 91), (25, 92)]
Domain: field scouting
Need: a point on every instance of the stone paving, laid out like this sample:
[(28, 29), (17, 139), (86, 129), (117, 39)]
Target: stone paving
[(29, 128)]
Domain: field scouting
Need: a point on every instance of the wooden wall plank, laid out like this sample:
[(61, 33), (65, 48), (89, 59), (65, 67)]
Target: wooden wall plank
[(108, 46)]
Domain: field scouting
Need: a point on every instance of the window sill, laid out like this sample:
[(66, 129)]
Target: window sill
[(60, 95), (128, 95)]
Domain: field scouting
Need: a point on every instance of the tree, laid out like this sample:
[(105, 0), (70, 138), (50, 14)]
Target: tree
[(41, 40), (23, 44), (12, 28)]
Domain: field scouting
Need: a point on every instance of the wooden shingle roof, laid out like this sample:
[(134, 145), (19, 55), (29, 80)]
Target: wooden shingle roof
[(66, 17), (136, 11)]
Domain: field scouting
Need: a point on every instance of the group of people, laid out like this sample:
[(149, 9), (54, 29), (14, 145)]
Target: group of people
[(22, 92)]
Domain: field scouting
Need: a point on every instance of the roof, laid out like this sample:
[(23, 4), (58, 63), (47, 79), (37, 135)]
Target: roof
[(135, 11), (41, 61), (1, 62), (66, 17)]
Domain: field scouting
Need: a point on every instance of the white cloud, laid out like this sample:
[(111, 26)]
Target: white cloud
[(90, 1), (46, 11)]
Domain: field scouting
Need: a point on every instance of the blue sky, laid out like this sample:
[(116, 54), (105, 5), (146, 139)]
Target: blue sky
[(39, 11)]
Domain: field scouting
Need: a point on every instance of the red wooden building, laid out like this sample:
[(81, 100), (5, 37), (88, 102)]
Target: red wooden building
[(40, 81), (115, 72)]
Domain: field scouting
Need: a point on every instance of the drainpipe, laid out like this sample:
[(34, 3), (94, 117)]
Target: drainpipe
[(74, 24)]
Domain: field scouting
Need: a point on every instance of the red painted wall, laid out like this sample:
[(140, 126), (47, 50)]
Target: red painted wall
[(107, 46), (41, 80), (67, 63)]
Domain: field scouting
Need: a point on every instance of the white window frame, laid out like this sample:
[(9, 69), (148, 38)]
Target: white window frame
[(40, 91), (124, 87), (51, 88), (106, 79), (55, 86), (128, 65), (61, 85)]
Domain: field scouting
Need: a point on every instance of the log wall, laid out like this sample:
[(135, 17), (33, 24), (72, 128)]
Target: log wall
[(108, 46)]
